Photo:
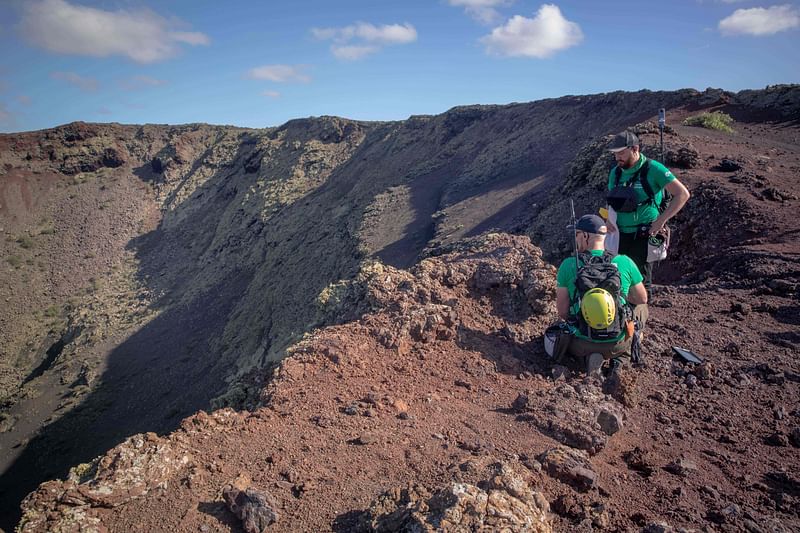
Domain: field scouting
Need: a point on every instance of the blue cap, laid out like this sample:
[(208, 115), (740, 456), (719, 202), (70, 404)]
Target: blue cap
[(592, 224)]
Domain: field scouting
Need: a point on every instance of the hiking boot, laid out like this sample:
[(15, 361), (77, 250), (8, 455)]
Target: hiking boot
[(612, 381), (593, 363), (614, 366)]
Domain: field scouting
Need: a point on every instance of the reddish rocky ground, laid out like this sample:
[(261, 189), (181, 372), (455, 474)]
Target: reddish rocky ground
[(435, 376), (447, 379)]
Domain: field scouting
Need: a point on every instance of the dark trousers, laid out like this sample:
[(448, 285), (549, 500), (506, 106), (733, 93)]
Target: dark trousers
[(582, 348), (634, 245)]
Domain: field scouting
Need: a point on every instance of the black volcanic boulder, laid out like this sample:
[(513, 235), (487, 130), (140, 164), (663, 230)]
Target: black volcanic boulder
[(683, 157), (112, 157)]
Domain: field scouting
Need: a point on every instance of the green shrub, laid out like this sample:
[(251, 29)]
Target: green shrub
[(47, 230), (716, 120), (52, 311), (14, 261)]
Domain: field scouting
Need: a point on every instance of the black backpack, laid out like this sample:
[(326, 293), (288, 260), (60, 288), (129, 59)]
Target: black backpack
[(623, 199), (597, 271)]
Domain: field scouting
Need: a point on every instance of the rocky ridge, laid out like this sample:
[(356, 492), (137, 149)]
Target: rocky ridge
[(268, 195)]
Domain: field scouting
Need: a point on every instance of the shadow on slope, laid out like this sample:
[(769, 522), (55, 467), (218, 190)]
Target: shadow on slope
[(156, 377)]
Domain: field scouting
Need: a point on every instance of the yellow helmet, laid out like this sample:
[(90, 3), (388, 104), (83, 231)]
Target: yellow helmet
[(598, 308)]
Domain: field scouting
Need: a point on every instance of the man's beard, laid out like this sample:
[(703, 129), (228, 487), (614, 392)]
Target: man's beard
[(628, 163)]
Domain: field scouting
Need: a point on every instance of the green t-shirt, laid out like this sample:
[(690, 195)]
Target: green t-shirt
[(629, 276), (658, 176)]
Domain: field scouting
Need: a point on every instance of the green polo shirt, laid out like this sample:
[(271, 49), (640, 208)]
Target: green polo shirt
[(629, 276), (658, 175)]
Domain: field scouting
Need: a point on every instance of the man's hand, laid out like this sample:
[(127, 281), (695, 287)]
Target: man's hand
[(656, 227)]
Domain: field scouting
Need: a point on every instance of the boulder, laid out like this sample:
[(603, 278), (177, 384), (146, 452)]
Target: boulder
[(683, 157), (255, 508), (569, 466), (507, 503)]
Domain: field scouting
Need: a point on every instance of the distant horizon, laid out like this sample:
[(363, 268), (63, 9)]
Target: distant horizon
[(113, 122), (257, 65)]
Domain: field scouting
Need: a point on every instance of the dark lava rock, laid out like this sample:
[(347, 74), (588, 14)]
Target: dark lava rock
[(741, 307), (520, 403), (728, 165), (640, 461), (579, 509), (609, 422), (727, 514), (112, 158), (794, 436), (777, 439), (256, 509), (684, 157), (776, 195)]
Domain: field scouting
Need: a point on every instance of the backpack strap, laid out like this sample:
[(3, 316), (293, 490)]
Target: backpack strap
[(642, 175)]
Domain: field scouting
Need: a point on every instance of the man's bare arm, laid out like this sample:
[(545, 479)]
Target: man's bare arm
[(637, 294), (680, 195), (562, 302)]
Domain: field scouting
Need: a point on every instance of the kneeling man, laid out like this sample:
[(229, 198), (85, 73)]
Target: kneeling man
[(601, 298)]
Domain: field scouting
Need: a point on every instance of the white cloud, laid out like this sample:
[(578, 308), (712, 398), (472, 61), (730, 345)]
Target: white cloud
[(193, 38), (24, 99), (280, 73), (84, 84), (271, 94), (361, 39), (481, 10), (141, 35), (538, 37), (352, 52), (760, 21), (140, 82)]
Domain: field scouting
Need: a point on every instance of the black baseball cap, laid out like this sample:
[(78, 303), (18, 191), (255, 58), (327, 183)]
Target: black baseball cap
[(623, 140), (592, 224)]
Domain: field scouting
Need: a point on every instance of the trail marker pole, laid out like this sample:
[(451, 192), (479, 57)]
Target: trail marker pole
[(662, 121)]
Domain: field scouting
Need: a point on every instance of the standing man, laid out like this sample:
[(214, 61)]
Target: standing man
[(636, 192)]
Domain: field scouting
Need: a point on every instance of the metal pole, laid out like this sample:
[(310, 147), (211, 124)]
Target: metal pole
[(574, 236), (662, 121)]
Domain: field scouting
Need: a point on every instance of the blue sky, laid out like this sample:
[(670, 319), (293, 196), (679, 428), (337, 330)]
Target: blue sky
[(261, 63)]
